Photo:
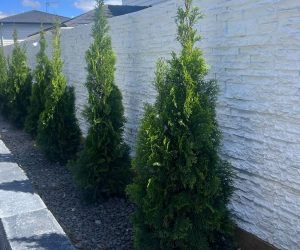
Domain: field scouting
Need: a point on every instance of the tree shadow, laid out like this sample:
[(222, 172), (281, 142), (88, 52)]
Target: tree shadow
[(17, 186), (7, 158), (51, 241)]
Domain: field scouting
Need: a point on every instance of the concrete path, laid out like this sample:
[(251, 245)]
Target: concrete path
[(26, 223)]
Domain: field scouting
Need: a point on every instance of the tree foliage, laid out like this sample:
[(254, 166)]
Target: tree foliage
[(18, 89), (58, 130), (102, 169), (42, 78), (3, 78), (181, 186)]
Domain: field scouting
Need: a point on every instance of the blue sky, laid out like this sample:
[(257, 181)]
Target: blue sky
[(68, 8)]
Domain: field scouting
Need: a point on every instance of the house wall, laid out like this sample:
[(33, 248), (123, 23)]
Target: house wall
[(23, 31), (253, 48), (142, 2)]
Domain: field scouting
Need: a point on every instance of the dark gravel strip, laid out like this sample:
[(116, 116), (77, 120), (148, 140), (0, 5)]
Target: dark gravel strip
[(97, 226)]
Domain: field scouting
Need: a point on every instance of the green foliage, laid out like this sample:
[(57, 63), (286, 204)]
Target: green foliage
[(42, 78), (102, 169), (18, 89), (60, 137), (181, 186), (58, 130), (3, 78)]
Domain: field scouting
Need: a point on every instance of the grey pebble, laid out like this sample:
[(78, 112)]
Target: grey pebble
[(89, 226)]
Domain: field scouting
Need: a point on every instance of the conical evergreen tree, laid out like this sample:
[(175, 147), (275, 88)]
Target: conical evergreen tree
[(3, 77), (19, 85), (102, 169), (58, 130), (182, 187), (42, 78)]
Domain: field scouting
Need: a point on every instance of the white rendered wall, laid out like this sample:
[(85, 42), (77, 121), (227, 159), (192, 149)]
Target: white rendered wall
[(253, 47)]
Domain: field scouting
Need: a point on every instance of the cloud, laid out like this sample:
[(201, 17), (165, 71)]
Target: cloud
[(114, 2), (31, 3), (87, 5)]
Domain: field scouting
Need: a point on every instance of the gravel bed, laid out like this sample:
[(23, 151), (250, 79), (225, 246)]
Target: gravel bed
[(89, 226)]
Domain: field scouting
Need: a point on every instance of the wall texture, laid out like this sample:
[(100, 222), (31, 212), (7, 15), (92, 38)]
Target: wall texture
[(253, 47)]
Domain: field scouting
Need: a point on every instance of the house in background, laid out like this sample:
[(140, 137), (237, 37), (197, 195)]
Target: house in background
[(26, 23), (142, 2), (110, 11), (88, 17)]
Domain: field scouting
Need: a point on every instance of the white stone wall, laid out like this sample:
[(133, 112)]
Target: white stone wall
[(253, 47)]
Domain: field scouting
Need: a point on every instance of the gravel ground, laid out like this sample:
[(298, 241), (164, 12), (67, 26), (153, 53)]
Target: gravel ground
[(98, 226)]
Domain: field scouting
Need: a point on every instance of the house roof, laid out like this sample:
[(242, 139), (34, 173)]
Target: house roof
[(88, 17), (34, 16), (110, 10)]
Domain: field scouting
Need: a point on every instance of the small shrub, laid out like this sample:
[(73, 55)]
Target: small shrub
[(18, 89), (60, 137), (102, 169), (42, 78), (181, 186), (58, 130)]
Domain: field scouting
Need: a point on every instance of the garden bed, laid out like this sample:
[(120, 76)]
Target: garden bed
[(105, 225)]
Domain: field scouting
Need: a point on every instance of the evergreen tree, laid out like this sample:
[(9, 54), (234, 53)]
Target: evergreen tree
[(58, 130), (102, 169), (19, 85), (181, 186), (3, 77), (42, 77)]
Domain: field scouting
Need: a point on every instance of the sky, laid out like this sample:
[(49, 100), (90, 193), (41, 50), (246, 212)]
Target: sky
[(69, 8)]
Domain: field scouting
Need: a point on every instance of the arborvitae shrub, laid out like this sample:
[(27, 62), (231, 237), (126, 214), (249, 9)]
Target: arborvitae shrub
[(42, 77), (181, 186), (102, 169), (18, 85), (3, 78), (58, 130)]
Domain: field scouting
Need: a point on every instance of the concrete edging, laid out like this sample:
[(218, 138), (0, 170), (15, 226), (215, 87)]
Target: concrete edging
[(26, 223)]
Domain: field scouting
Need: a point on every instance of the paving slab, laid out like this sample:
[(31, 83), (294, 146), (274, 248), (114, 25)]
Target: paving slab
[(3, 149), (35, 230), (16, 192), (25, 221)]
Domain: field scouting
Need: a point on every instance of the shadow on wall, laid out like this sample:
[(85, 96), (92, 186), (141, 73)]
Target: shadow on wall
[(51, 241)]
